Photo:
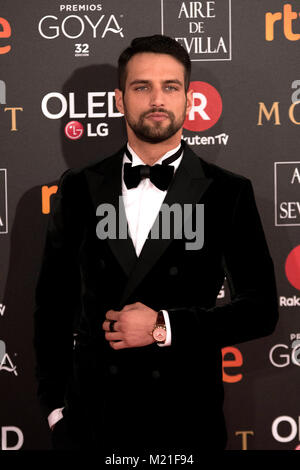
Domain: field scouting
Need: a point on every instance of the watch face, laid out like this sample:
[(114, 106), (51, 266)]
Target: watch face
[(159, 334)]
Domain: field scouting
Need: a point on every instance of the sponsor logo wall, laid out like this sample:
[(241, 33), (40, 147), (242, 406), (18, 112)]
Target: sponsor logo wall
[(57, 110)]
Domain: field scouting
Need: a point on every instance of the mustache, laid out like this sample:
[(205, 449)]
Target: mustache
[(157, 110)]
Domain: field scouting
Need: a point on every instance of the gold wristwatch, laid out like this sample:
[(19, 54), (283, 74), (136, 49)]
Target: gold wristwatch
[(159, 332)]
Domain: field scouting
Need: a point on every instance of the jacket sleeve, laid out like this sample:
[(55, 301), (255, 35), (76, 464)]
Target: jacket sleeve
[(253, 309), (57, 298)]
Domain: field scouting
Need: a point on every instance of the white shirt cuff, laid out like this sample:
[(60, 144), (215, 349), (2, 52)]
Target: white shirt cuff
[(168, 329), (55, 416)]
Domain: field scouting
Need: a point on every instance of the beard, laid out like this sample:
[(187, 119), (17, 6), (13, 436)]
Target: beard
[(156, 131)]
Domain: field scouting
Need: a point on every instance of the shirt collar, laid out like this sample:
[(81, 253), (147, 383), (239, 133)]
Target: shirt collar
[(136, 160)]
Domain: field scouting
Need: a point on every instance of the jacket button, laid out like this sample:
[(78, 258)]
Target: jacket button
[(173, 271), (155, 374), (101, 263), (113, 369)]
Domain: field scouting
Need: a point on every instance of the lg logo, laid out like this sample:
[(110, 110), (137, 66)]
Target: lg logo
[(100, 104), (74, 130)]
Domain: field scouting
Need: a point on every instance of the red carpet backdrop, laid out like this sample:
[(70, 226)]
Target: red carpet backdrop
[(57, 110)]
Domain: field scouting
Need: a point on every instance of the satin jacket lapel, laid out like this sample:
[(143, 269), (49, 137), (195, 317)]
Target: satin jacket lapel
[(105, 186), (188, 186)]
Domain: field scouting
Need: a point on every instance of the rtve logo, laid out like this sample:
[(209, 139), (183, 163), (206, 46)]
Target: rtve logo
[(287, 18), (5, 32), (232, 358)]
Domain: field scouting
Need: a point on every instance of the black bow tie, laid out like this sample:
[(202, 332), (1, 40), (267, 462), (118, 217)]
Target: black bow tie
[(160, 175)]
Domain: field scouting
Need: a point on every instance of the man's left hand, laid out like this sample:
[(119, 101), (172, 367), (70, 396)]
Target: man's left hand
[(133, 326)]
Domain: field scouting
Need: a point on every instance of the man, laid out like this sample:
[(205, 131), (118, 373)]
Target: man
[(145, 371)]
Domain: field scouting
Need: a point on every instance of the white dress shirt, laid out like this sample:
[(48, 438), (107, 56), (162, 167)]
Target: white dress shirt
[(142, 205)]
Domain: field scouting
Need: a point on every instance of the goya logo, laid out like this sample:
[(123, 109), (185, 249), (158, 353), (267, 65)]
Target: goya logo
[(90, 23), (73, 26), (207, 107), (283, 355)]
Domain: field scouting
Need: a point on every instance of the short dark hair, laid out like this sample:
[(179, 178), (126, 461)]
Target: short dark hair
[(158, 44)]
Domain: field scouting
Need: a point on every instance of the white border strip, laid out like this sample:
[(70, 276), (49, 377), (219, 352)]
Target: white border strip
[(6, 214), (162, 15), (230, 34), (275, 193), (229, 38)]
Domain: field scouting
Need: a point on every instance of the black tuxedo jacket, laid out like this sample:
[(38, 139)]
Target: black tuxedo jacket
[(173, 391)]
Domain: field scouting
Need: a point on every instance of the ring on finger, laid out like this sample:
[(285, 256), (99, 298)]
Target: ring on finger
[(111, 325)]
